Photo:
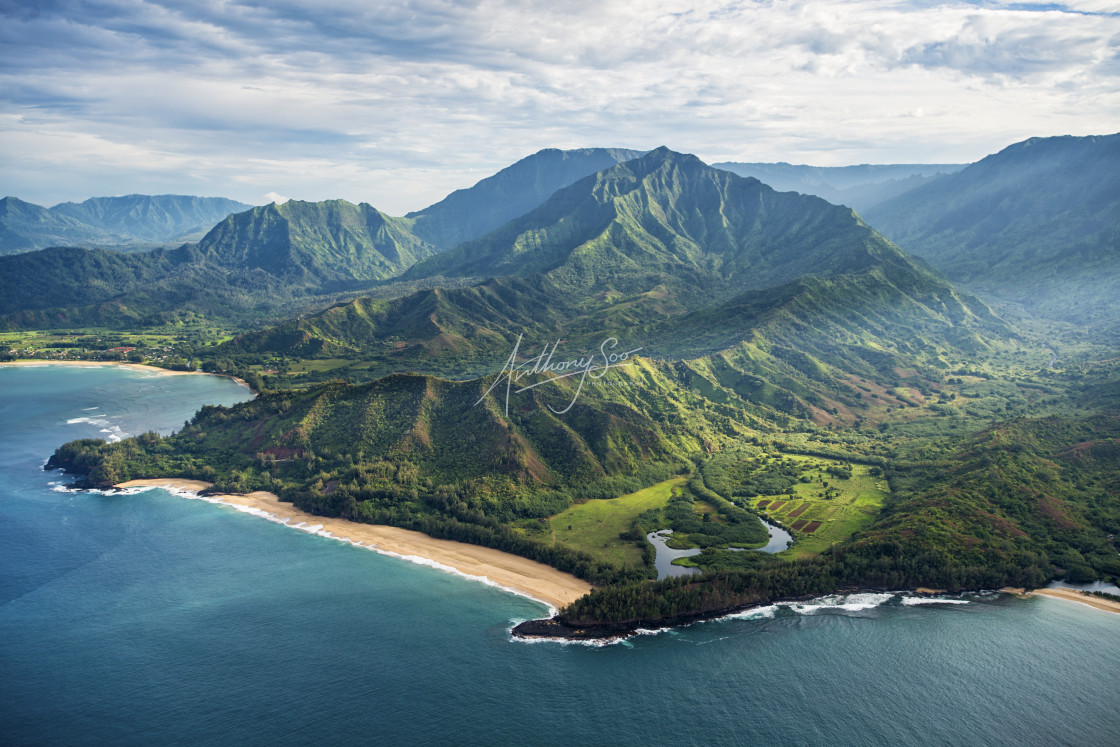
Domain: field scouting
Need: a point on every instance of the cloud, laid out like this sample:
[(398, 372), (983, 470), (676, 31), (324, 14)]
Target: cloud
[(398, 103)]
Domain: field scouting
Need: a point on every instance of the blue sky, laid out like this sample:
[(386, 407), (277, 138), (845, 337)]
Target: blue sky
[(397, 104)]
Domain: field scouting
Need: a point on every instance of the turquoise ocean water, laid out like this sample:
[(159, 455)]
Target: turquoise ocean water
[(150, 619)]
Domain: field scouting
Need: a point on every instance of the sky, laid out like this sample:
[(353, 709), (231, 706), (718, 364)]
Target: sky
[(399, 103)]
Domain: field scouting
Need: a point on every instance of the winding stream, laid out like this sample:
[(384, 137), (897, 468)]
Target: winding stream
[(780, 539), (666, 555)]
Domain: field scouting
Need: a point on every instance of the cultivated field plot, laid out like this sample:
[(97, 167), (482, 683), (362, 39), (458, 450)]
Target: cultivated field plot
[(824, 506)]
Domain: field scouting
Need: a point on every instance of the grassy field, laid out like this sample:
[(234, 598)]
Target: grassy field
[(842, 508), (594, 526), (319, 365)]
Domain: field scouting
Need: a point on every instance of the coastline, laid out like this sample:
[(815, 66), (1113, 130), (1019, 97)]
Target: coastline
[(513, 573), (1072, 595), (134, 366)]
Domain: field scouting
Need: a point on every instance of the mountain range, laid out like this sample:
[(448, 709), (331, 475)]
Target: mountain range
[(772, 343), (771, 299), (657, 220), (262, 261), (131, 222), (860, 187), (668, 218), (1036, 224)]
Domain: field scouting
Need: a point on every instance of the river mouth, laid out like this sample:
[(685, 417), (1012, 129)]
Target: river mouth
[(780, 539)]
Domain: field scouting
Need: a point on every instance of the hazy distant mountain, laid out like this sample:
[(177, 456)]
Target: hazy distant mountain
[(134, 221), (154, 218), (859, 187), (1037, 223), (25, 226), (466, 214)]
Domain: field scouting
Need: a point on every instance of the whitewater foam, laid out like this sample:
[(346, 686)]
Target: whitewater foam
[(115, 433), (589, 642), (848, 602), (913, 601), (852, 602)]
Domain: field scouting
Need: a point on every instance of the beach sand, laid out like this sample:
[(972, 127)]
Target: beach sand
[(521, 575), (133, 366), (1073, 595)]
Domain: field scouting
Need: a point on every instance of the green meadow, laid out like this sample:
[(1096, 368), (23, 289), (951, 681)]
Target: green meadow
[(594, 526)]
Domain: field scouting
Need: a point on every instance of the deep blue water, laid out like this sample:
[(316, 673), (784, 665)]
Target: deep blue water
[(150, 619)]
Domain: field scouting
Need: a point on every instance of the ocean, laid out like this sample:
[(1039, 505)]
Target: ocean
[(150, 619)]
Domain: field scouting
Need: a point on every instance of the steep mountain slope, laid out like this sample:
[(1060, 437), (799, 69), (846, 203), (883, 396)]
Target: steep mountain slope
[(860, 187), (315, 242), (262, 261), (135, 221), (669, 218), (472, 325), (1036, 223), (152, 218), (773, 300), (466, 214)]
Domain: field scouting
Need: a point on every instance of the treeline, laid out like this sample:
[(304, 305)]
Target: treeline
[(762, 579), (477, 530), (826, 453)]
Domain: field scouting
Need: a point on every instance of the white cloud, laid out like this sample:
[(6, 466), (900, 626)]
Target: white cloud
[(398, 103)]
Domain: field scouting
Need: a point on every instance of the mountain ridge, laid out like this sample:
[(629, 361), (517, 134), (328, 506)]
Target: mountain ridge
[(466, 214), (128, 222), (859, 186), (1034, 224)]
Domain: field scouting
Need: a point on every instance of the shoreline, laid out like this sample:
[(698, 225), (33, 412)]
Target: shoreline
[(1073, 595), (123, 364), (512, 573), (554, 629), (604, 633)]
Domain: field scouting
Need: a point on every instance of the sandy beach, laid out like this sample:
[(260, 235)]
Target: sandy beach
[(521, 575), (1073, 595), (133, 366)]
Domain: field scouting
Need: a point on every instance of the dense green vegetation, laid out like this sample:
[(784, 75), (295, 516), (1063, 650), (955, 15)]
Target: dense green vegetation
[(1025, 502), (794, 364), (266, 262), (410, 449), (622, 254)]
